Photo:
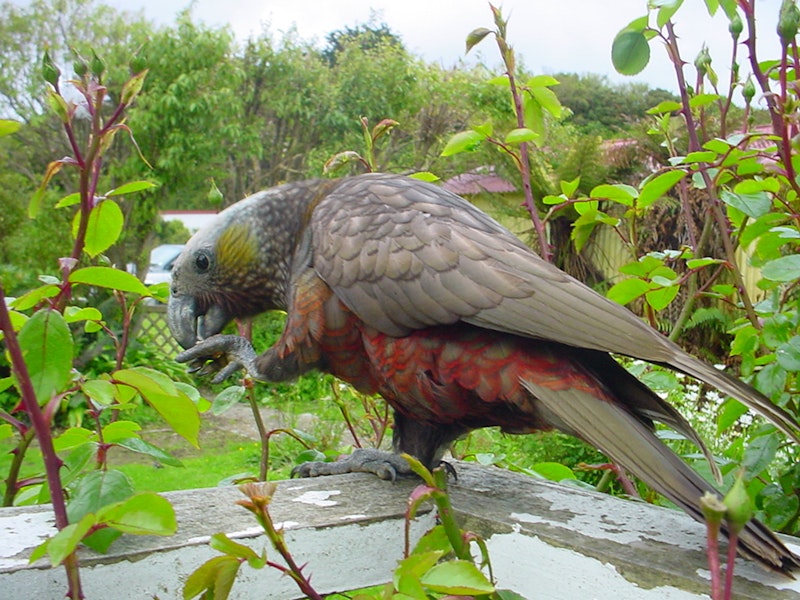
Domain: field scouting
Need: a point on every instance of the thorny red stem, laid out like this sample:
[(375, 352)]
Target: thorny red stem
[(716, 211), (41, 426)]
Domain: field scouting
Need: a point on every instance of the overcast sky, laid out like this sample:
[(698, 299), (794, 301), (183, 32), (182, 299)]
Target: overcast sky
[(550, 35)]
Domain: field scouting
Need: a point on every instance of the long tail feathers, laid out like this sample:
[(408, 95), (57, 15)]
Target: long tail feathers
[(739, 390), (626, 439)]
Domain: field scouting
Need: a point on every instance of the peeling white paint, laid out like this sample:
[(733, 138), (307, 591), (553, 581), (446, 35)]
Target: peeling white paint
[(318, 497), (749, 570), (527, 518), (22, 532), (534, 569), (352, 517), (592, 516)]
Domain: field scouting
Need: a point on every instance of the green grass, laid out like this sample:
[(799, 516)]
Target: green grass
[(207, 469)]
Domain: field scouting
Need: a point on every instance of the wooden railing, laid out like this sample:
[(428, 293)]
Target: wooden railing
[(545, 541)]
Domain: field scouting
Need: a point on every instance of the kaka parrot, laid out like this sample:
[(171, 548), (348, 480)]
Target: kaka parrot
[(401, 288)]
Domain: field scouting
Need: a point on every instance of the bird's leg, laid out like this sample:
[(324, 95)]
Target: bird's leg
[(424, 441)]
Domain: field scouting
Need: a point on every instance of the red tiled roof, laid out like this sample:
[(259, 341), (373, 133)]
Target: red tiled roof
[(475, 183)]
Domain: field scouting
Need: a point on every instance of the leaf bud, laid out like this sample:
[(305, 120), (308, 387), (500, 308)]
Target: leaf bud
[(736, 26), (738, 504), (97, 65), (749, 90), (50, 72), (703, 60), (712, 508), (214, 194), (788, 21)]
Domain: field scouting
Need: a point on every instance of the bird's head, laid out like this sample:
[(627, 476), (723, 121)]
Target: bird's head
[(235, 267)]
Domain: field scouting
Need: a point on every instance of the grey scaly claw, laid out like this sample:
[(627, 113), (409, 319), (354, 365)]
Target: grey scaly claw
[(220, 354), (385, 465)]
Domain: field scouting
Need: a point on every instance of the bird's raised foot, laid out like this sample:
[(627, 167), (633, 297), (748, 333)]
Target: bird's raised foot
[(220, 354), (386, 465)]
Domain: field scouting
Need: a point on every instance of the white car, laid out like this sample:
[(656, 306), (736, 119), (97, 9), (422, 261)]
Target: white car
[(162, 258)]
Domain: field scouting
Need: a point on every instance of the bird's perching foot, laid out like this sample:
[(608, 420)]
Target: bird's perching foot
[(221, 354), (386, 465)]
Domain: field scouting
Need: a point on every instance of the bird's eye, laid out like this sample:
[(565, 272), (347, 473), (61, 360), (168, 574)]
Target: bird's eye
[(202, 262)]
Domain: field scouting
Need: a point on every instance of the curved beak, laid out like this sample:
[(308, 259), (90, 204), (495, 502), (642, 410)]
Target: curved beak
[(188, 326), (182, 320)]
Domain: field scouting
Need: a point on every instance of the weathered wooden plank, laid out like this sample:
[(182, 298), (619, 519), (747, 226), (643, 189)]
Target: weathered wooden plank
[(546, 541)]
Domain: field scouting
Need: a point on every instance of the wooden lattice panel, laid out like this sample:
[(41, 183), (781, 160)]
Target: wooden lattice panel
[(152, 327)]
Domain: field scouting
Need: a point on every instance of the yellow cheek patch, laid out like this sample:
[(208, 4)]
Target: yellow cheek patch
[(236, 248)]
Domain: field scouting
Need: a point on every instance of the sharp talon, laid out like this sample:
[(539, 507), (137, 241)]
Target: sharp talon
[(451, 470)]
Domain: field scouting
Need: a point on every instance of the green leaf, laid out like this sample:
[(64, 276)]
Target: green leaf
[(552, 200), (548, 101), (66, 541), (568, 188), (753, 205), (541, 81), (623, 194), (517, 136), (175, 407), (144, 378), (425, 176), (35, 205), (416, 565), (729, 413), (661, 298), (476, 36), (627, 290), (120, 430), (7, 127), (508, 595), (630, 52), (129, 188), (33, 297), (142, 514), (666, 9), (788, 354), (553, 471), (703, 100), (69, 200), (457, 577), (780, 509), (47, 347), (99, 390), (72, 438), (500, 80), (585, 206), (226, 399), (697, 263), (107, 277), (223, 544), (771, 379), (464, 141), (435, 540), (660, 380), (140, 446), (785, 268), (658, 186), (700, 156), (104, 227), (73, 314), (759, 454), (665, 106), (534, 116), (97, 489), (215, 576)]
